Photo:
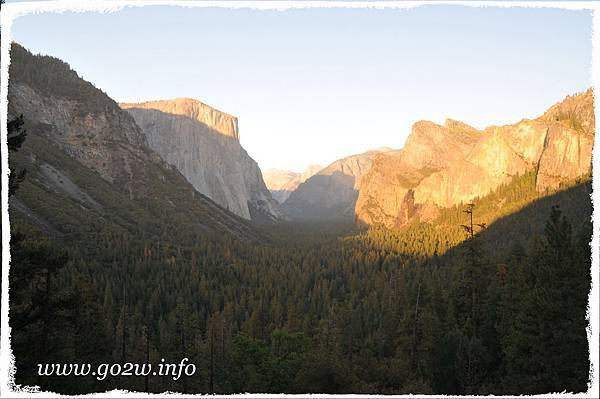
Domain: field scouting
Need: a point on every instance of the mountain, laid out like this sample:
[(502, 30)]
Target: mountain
[(331, 194), (442, 166), (429, 148), (203, 144), (116, 257), (91, 160), (281, 183)]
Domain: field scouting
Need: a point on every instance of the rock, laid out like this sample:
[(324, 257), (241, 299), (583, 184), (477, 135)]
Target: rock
[(432, 146), (331, 194), (109, 142), (203, 144), (281, 183), (500, 154), (441, 166), (568, 148), (429, 149), (88, 126), (567, 155)]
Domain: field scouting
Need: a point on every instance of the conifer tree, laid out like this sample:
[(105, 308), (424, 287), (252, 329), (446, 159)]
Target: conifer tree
[(547, 349), (16, 137)]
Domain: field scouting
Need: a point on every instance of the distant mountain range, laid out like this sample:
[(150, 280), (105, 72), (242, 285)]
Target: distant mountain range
[(281, 183)]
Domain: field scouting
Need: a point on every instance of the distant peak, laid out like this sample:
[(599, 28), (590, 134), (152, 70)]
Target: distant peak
[(310, 171)]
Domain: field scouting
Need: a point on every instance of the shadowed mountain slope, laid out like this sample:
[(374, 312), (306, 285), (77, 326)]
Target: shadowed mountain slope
[(330, 195), (85, 154)]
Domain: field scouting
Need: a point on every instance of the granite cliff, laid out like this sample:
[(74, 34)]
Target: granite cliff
[(441, 166), (75, 130), (387, 192), (203, 144), (186, 155)]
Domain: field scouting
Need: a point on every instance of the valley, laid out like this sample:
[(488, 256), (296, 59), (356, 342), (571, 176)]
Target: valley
[(143, 231)]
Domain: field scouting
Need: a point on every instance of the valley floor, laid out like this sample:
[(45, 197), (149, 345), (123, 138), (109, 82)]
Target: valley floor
[(330, 309)]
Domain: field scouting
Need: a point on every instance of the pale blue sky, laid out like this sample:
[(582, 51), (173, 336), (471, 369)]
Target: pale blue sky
[(313, 85)]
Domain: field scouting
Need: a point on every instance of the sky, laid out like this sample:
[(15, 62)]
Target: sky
[(311, 86)]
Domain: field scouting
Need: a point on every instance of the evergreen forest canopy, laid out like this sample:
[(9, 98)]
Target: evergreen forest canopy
[(53, 77), (443, 307), (335, 310)]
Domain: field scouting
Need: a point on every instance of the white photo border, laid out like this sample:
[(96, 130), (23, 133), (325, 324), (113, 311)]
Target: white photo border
[(12, 11)]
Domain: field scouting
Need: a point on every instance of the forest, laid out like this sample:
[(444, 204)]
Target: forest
[(449, 307)]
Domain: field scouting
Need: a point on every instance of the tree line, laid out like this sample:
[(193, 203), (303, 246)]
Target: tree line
[(426, 309)]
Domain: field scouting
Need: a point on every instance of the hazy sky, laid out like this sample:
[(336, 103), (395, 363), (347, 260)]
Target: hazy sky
[(313, 85)]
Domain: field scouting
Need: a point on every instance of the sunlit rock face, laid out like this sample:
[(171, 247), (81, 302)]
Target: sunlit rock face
[(441, 166), (499, 154), (568, 150), (219, 122), (567, 155), (281, 183), (330, 195), (435, 146), (203, 144), (389, 188)]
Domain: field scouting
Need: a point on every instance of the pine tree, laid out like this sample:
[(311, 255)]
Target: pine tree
[(547, 349), (470, 302), (16, 137)]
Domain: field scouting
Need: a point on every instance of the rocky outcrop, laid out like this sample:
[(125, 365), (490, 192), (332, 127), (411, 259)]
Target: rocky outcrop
[(499, 154), (281, 183), (203, 144), (567, 155), (331, 194), (568, 149), (441, 166), (432, 146), (389, 185), (109, 142), (86, 125)]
